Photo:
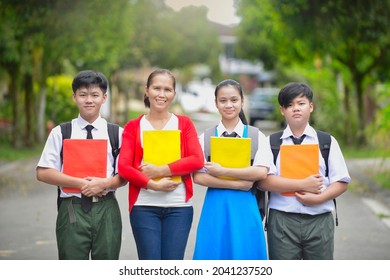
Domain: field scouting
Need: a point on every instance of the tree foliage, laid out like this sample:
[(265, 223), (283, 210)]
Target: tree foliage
[(169, 39), (44, 38), (351, 37)]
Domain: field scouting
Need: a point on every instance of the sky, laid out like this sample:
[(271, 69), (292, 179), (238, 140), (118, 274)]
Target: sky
[(220, 11)]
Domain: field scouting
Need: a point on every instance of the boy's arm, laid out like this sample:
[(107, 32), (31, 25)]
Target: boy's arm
[(206, 179), (100, 186), (332, 191), (113, 182), (89, 186), (54, 177), (274, 183)]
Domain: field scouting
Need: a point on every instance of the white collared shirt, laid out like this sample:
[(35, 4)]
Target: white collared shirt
[(51, 155), (337, 172)]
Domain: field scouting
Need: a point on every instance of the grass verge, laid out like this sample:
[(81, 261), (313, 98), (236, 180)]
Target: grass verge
[(9, 153)]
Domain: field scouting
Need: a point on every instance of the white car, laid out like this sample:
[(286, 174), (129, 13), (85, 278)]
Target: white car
[(198, 97)]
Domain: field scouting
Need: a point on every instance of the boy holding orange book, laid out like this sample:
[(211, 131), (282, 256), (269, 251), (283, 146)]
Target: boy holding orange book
[(300, 224)]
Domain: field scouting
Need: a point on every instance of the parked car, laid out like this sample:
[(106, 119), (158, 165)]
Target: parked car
[(262, 103)]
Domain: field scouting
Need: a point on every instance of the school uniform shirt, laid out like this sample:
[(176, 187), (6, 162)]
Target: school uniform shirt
[(263, 155), (337, 172), (51, 155)]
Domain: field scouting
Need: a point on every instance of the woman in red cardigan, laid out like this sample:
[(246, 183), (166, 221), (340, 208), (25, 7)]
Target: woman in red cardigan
[(161, 211)]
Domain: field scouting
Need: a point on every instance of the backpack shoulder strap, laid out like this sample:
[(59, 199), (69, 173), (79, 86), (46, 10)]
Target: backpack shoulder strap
[(66, 131), (324, 141), (206, 141), (261, 196), (275, 143), (253, 133), (113, 134)]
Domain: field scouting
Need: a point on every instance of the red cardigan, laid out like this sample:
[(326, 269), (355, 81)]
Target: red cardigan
[(131, 155)]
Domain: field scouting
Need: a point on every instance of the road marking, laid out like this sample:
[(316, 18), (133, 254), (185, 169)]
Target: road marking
[(45, 242), (379, 210), (6, 253)]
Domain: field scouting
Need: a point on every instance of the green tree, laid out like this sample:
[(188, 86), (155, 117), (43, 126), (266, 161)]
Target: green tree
[(351, 36), (174, 40), (44, 38), (38, 35)]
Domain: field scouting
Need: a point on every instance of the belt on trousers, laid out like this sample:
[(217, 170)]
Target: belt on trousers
[(301, 215), (77, 200)]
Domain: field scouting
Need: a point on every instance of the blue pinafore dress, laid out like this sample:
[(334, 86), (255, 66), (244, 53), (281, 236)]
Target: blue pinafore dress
[(230, 226)]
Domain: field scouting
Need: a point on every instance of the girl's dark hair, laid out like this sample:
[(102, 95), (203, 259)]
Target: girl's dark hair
[(150, 80), (235, 84), (292, 90), (89, 78)]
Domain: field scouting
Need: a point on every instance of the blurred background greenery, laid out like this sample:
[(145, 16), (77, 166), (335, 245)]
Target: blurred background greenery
[(339, 47)]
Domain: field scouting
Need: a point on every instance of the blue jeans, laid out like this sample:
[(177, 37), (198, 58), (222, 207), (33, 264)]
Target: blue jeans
[(161, 233)]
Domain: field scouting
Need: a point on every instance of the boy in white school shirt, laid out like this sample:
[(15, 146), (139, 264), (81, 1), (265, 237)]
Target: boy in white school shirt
[(302, 226), (94, 232)]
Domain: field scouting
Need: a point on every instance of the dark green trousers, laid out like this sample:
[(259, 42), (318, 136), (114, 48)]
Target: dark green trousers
[(299, 236), (94, 235)]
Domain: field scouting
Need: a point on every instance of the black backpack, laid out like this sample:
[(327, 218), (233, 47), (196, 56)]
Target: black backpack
[(253, 133), (324, 141), (113, 133)]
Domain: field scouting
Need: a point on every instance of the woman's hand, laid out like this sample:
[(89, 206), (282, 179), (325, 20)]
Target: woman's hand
[(164, 184), (151, 170)]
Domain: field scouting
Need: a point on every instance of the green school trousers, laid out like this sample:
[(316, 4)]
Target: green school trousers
[(94, 235), (293, 236)]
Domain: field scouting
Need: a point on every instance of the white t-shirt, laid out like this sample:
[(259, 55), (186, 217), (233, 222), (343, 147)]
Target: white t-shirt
[(149, 197)]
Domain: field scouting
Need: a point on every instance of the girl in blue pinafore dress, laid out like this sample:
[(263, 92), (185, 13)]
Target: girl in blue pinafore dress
[(230, 226)]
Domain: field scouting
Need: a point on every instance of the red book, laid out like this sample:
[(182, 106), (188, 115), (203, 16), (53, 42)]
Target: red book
[(83, 158)]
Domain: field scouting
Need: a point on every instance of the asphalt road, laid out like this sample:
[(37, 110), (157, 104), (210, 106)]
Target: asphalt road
[(28, 215)]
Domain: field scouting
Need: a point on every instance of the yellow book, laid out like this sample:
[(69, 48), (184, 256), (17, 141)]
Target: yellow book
[(162, 147), (230, 152)]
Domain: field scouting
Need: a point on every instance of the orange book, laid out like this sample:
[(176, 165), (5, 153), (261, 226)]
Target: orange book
[(83, 158), (298, 162)]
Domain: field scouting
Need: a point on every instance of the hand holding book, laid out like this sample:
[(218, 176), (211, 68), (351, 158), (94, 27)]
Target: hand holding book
[(161, 147), (230, 153)]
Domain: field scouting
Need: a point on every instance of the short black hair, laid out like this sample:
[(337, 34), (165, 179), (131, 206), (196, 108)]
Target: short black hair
[(87, 78), (291, 91)]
